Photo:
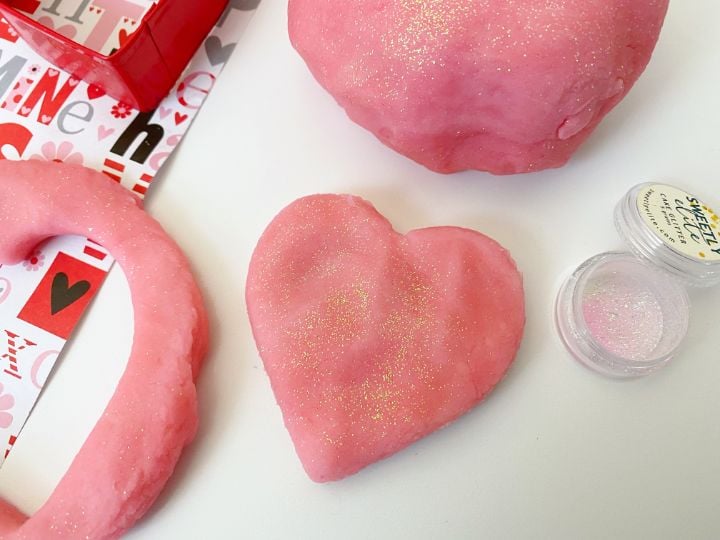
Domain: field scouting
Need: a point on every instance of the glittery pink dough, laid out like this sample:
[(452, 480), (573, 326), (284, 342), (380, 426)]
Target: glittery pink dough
[(373, 339), (133, 449), (494, 85)]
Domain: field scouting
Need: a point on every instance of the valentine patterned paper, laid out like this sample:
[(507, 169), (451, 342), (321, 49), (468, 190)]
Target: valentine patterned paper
[(101, 25), (48, 115)]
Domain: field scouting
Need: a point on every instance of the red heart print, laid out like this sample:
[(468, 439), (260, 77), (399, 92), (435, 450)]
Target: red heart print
[(123, 37), (104, 132), (95, 92), (180, 118), (373, 339)]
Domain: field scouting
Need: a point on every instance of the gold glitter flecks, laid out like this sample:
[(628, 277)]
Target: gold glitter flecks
[(422, 29), (386, 395), (336, 442), (329, 329), (380, 399), (364, 296), (387, 376)]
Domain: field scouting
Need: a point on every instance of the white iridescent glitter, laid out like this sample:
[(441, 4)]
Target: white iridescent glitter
[(623, 315)]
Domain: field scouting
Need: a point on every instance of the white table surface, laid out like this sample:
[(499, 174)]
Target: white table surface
[(555, 452)]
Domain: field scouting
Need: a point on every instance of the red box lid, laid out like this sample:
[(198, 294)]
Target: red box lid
[(143, 71)]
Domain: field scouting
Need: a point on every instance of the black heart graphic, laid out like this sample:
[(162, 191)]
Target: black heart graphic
[(63, 295), (217, 53)]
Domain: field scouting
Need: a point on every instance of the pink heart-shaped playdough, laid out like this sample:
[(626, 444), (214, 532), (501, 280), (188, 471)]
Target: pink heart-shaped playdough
[(373, 339), (505, 87)]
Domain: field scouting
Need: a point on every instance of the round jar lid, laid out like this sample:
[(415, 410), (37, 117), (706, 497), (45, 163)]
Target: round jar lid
[(673, 230)]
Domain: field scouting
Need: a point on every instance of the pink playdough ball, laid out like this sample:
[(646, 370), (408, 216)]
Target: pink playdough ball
[(494, 85)]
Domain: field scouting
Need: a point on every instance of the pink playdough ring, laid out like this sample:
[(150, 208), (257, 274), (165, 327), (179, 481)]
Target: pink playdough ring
[(134, 447)]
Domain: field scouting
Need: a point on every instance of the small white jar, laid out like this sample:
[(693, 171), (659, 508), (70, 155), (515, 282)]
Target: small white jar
[(624, 314)]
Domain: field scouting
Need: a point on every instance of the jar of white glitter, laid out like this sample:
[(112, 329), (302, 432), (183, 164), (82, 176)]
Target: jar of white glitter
[(625, 314)]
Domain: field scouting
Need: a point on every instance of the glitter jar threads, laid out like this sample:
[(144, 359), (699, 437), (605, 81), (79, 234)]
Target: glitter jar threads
[(625, 314), (673, 230)]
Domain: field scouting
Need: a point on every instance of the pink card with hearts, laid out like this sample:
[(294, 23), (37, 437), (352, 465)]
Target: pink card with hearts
[(48, 115)]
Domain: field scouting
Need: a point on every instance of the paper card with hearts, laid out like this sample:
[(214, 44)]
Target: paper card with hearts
[(100, 25), (48, 115)]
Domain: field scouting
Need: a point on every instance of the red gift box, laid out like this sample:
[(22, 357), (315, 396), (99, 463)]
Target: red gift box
[(149, 62)]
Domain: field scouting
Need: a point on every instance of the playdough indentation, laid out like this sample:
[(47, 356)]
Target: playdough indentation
[(373, 339)]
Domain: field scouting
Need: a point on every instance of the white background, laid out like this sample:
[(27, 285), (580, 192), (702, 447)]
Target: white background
[(555, 452)]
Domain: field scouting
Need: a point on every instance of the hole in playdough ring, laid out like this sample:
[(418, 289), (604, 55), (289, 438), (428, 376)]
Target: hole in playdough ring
[(134, 447), (72, 400)]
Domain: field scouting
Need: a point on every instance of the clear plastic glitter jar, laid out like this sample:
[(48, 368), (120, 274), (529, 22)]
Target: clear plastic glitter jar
[(625, 314)]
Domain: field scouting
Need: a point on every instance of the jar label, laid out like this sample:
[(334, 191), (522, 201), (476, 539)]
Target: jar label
[(681, 221)]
